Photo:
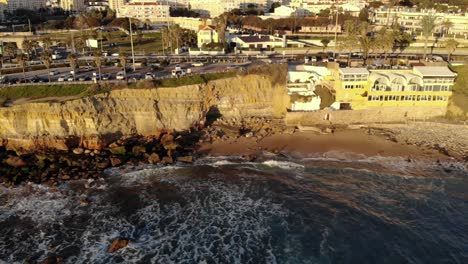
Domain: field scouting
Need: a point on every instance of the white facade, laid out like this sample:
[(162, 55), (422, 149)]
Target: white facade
[(143, 10), (115, 4), (12, 5), (315, 6), (410, 19), (72, 5), (286, 11)]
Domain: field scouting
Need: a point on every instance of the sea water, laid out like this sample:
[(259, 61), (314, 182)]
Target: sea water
[(279, 209)]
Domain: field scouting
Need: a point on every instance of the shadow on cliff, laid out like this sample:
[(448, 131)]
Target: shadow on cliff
[(212, 115)]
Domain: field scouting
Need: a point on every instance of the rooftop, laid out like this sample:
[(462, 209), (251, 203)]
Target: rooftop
[(434, 71), (249, 39), (354, 71)]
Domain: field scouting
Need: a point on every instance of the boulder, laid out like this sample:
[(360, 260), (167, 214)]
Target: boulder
[(64, 177), (15, 162), (120, 150), (117, 244), (186, 159), (153, 158), (115, 161), (78, 151), (103, 164), (167, 160), (138, 149)]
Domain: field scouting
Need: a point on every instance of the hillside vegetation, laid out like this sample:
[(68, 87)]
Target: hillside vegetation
[(458, 104)]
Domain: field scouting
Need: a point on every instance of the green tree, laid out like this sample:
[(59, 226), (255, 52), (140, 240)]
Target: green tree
[(451, 45), (427, 28), (46, 43), (46, 59), (27, 47), (325, 43), (273, 6), (9, 50), (22, 59), (73, 61), (445, 26), (221, 24), (347, 45), (385, 41), (364, 15)]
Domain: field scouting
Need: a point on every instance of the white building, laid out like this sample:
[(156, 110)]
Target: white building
[(286, 11), (115, 4), (72, 5), (315, 6), (410, 19), (143, 10), (12, 5)]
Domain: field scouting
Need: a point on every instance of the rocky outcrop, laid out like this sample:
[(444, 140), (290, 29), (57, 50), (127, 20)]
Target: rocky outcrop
[(93, 122)]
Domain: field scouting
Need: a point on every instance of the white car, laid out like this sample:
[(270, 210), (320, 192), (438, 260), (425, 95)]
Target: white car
[(178, 73), (120, 76), (198, 64), (61, 79), (70, 78), (54, 72), (149, 76)]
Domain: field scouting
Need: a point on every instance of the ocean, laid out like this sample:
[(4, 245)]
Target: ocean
[(335, 208)]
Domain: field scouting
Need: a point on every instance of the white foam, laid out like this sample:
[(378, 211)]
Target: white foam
[(286, 165)]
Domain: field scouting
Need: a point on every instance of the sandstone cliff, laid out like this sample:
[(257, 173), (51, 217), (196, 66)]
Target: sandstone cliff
[(138, 111)]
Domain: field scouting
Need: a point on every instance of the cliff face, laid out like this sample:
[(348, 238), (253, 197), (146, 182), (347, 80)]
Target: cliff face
[(132, 111)]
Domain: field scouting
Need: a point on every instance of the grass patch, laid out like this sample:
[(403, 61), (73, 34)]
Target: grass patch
[(195, 79), (327, 98), (277, 73), (41, 91)]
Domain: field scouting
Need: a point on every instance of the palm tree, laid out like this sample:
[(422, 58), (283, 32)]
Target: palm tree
[(445, 26), (123, 62), (325, 43), (46, 43), (73, 60), (27, 47), (221, 24), (427, 28), (98, 59), (46, 59), (10, 49), (451, 46), (22, 59), (385, 41)]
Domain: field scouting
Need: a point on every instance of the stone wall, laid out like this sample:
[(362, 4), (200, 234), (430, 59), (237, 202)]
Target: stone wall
[(365, 116)]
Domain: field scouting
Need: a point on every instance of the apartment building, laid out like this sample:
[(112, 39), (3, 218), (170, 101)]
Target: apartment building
[(12, 5), (72, 5), (410, 19), (143, 10), (359, 88), (315, 6)]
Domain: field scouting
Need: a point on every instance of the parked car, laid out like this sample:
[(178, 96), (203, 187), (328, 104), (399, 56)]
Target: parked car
[(178, 73), (149, 76), (106, 77), (120, 76), (54, 72), (70, 78), (198, 64), (61, 78), (83, 78), (88, 68)]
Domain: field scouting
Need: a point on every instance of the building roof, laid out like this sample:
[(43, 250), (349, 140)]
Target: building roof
[(250, 39), (437, 71), (354, 71), (206, 27)]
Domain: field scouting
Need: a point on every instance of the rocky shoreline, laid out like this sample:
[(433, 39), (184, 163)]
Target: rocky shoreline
[(52, 166)]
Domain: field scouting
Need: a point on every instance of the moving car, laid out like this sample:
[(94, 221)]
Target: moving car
[(198, 64), (54, 72)]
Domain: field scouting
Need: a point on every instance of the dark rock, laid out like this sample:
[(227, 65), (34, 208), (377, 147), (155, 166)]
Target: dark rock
[(78, 151), (167, 160), (138, 149)]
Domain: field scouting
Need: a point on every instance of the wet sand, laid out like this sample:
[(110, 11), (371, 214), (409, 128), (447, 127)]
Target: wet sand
[(311, 143)]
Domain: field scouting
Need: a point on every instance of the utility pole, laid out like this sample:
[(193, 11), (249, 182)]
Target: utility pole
[(336, 32), (131, 44), (29, 23)]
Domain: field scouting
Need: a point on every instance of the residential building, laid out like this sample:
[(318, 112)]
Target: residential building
[(12, 5), (359, 88), (329, 29), (72, 5), (409, 19), (315, 6), (3, 8), (206, 35), (286, 11), (143, 10), (115, 4), (267, 42)]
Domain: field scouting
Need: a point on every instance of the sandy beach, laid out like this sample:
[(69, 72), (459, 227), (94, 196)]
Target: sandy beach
[(312, 144)]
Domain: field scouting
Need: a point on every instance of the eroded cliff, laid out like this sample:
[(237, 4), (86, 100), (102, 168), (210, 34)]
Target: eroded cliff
[(138, 111)]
